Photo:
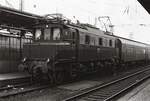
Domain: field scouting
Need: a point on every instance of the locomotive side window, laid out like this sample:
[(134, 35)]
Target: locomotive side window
[(105, 42), (67, 35), (92, 40), (110, 43), (56, 33), (87, 39), (73, 35), (82, 38), (100, 41)]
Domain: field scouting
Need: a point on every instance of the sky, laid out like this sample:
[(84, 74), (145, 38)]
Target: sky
[(129, 18)]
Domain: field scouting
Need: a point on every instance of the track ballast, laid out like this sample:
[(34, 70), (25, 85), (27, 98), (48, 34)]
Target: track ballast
[(111, 90)]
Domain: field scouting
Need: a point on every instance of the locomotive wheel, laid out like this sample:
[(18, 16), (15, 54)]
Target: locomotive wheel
[(37, 73), (59, 77)]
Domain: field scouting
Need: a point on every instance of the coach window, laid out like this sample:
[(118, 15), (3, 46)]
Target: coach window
[(100, 41), (110, 43), (87, 39)]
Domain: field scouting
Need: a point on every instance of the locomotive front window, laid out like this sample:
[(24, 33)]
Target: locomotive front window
[(56, 33), (38, 34), (47, 34)]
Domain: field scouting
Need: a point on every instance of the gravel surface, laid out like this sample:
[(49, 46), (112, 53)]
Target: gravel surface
[(140, 93), (52, 94)]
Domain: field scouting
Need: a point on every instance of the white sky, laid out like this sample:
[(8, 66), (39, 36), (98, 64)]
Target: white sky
[(126, 15)]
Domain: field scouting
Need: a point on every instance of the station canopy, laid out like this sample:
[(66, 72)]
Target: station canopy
[(13, 18), (145, 4)]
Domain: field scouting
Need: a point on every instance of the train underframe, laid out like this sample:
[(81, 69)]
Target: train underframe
[(58, 71)]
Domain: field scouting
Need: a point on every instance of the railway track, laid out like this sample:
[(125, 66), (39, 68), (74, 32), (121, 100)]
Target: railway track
[(23, 88), (111, 90)]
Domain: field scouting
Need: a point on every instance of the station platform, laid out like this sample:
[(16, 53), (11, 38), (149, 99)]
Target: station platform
[(140, 93), (13, 78)]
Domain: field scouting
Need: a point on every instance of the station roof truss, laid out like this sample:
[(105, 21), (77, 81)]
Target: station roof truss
[(17, 19)]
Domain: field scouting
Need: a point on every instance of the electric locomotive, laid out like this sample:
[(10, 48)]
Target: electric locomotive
[(66, 50)]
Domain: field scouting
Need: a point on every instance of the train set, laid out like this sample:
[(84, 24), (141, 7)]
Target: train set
[(61, 49), (67, 60)]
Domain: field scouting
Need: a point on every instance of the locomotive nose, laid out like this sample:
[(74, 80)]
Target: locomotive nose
[(39, 51)]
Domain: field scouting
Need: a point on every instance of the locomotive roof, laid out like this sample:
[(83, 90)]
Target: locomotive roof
[(86, 29)]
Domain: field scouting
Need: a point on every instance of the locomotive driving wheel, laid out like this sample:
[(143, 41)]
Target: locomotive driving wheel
[(37, 72)]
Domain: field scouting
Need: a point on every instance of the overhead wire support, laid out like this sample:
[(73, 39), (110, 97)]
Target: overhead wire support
[(107, 24), (21, 5)]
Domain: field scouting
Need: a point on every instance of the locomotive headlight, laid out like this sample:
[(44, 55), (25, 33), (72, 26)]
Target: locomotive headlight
[(48, 60), (24, 59)]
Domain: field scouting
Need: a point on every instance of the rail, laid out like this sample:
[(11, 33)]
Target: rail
[(108, 91), (21, 89)]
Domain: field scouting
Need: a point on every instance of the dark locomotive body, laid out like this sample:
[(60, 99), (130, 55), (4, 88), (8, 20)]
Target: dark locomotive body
[(62, 50)]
